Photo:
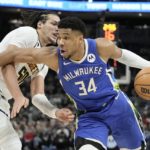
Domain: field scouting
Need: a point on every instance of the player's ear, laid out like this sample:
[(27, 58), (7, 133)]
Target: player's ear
[(39, 24), (81, 38)]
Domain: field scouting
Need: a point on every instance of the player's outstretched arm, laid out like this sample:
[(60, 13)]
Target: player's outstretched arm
[(10, 77), (12, 52), (6, 57), (44, 105), (133, 60), (44, 55), (107, 49), (29, 55), (40, 101)]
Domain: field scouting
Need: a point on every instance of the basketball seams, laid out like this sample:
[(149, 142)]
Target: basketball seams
[(140, 75), (143, 84)]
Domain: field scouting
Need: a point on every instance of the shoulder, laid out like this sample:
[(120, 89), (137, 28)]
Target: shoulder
[(28, 36), (103, 42), (105, 48), (24, 37), (26, 28), (26, 31)]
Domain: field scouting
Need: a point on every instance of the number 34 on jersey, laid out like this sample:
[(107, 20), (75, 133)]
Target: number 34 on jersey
[(85, 90)]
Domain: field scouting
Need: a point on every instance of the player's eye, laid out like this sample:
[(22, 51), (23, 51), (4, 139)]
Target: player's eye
[(66, 38)]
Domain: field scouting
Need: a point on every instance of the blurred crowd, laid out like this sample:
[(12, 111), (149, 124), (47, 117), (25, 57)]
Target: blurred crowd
[(41, 133)]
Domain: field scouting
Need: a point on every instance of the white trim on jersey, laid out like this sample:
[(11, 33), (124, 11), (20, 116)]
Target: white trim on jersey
[(85, 55)]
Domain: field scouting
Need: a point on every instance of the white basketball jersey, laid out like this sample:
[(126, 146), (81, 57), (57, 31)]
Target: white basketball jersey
[(24, 37)]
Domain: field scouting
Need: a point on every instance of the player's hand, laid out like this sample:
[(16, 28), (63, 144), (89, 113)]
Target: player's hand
[(18, 104), (65, 115)]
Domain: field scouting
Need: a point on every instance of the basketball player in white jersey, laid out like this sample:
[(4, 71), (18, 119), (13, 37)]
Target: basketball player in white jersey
[(41, 32)]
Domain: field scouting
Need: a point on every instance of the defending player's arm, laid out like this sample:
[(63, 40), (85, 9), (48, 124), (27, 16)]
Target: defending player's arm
[(29, 55), (6, 57), (43, 104), (21, 39), (107, 49), (9, 75), (44, 55)]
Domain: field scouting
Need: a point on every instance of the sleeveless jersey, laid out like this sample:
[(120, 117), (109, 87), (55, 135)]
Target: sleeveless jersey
[(88, 82), (24, 37)]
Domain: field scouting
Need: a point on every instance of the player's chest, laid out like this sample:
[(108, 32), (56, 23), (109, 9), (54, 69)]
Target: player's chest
[(26, 70)]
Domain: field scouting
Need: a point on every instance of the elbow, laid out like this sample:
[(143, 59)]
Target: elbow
[(12, 52), (5, 68)]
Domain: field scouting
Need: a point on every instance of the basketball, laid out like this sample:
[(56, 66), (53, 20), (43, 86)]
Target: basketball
[(142, 83)]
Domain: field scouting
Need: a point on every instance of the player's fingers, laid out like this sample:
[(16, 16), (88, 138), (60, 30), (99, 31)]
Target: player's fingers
[(18, 108), (26, 103), (68, 117), (68, 120), (68, 112), (13, 112), (71, 116)]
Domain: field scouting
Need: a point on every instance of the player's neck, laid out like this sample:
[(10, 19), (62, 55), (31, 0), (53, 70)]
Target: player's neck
[(80, 52), (42, 40)]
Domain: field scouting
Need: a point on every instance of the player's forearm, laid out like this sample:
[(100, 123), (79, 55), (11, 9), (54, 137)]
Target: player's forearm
[(9, 55), (37, 85), (44, 105), (10, 77), (32, 55), (17, 54), (26, 55), (6, 57), (133, 60)]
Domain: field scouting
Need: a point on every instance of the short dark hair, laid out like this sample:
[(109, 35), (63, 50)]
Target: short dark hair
[(32, 17), (73, 23)]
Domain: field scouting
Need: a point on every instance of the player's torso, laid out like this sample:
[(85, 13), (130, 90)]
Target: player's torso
[(88, 82), (23, 70)]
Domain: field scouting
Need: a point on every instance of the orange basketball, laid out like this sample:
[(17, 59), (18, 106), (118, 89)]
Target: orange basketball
[(142, 83)]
